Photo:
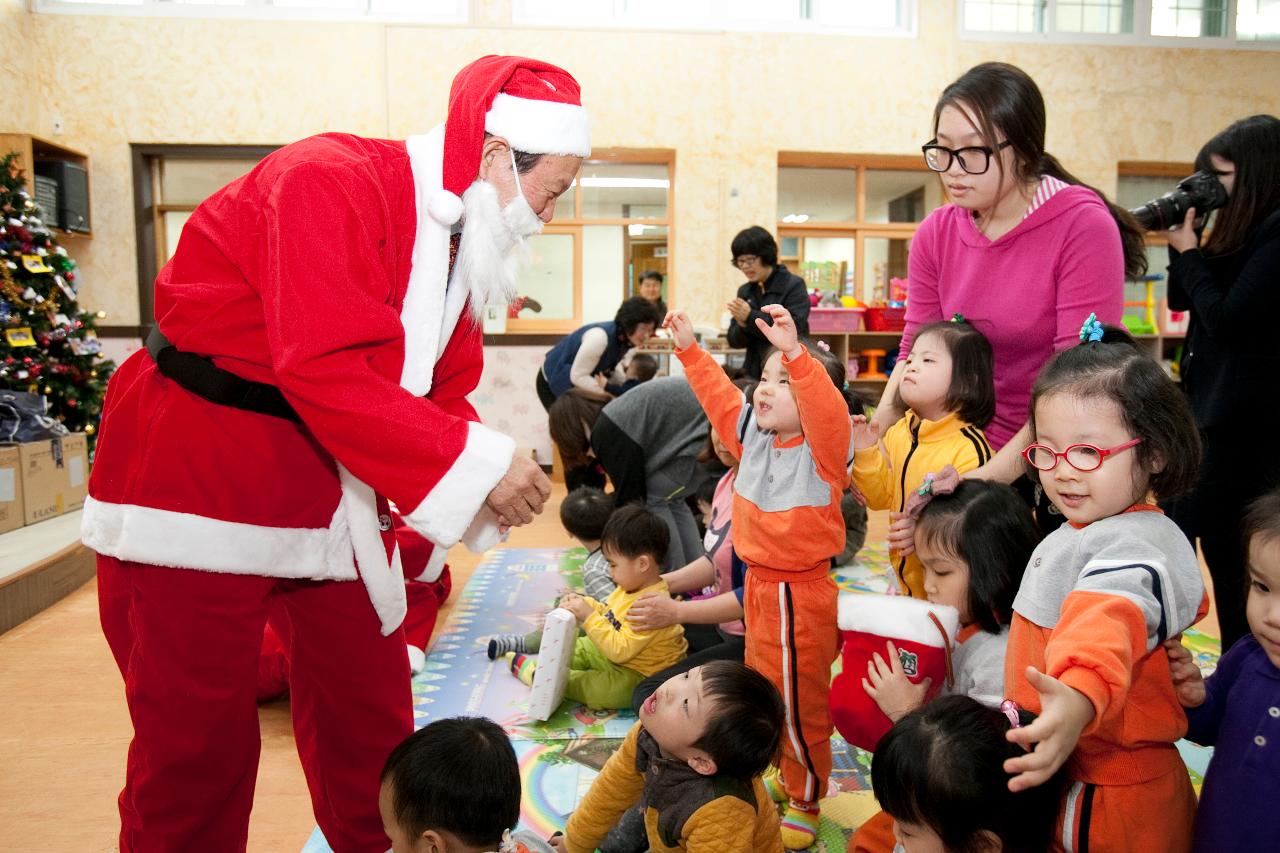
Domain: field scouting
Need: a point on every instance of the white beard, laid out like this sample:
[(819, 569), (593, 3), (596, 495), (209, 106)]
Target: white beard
[(494, 245)]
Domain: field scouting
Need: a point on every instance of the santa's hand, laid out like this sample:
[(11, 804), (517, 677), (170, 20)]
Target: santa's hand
[(520, 493), (1188, 682), (681, 328), (902, 533), (782, 334), (888, 685), (1064, 712)]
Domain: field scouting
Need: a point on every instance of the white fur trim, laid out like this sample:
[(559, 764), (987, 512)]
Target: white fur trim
[(417, 659), (449, 510), (421, 314), (162, 537), (383, 578), (540, 127), (896, 617), (435, 565)]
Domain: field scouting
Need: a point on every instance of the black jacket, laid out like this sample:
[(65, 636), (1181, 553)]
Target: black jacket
[(1231, 360), (780, 288)]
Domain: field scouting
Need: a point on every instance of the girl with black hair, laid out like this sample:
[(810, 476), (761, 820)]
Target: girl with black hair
[(1102, 594), (974, 543), (947, 390), (938, 774), (591, 357), (1230, 367), (1023, 250)]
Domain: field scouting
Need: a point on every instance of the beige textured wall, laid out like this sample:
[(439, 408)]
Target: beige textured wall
[(727, 103)]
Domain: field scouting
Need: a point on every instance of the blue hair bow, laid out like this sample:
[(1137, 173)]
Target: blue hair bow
[(1091, 330)]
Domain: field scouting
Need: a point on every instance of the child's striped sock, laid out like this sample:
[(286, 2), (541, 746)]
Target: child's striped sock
[(522, 667), (799, 825), (501, 644), (772, 778)]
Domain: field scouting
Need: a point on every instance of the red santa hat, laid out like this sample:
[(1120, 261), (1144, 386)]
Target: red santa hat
[(534, 105)]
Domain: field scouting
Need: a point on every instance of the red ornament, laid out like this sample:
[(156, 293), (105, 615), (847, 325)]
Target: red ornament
[(71, 404), (71, 276)]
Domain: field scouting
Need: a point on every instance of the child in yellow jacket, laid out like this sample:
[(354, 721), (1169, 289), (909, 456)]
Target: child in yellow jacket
[(614, 656), (950, 395), (694, 761)]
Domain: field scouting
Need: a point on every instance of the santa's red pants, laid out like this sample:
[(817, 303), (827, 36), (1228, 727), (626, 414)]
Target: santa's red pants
[(187, 644)]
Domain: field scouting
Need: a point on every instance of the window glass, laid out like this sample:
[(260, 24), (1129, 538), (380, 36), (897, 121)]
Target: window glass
[(1258, 20), (1189, 18), (828, 264), (1095, 16), (900, 196), (1004, 16), (885, 259), (548, 277), (821, 195), (624, 190), (191, 181)]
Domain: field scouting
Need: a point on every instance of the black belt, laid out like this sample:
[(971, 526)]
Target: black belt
[(202, 377)]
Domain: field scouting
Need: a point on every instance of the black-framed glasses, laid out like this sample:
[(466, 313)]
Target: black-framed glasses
[(743, 261), (975, 159), (1082, 457)]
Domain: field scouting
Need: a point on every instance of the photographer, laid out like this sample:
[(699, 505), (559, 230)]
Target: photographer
[(1231, 365)]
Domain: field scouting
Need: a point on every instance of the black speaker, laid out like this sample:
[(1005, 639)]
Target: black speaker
[(73, 192)]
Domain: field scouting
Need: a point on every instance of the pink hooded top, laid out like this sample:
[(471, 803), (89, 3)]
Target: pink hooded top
[(1028, 291)]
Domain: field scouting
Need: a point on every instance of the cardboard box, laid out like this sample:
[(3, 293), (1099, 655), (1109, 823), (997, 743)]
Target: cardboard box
[(55, 476), (11, 511)]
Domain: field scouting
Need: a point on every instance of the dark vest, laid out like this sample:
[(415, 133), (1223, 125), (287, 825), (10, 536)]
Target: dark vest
[(558, 362)]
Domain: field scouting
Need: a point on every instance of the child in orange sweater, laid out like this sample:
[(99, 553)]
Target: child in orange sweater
[(1102, 593), (792, 437)]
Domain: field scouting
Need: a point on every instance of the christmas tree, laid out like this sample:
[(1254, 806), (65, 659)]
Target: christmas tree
[(49, 346)]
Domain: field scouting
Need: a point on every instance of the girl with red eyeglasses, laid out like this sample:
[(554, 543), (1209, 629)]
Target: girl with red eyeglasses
[(1110, 433)]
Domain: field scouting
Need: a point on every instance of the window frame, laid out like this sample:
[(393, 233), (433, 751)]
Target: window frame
[(719, 19), (253, 9), (860, 229), (1140, 37), (575, 223), (148, 214)]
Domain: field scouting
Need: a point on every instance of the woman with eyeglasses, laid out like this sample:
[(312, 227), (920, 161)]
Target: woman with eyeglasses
[(1023, 250), (1231, 367), (755, 253)]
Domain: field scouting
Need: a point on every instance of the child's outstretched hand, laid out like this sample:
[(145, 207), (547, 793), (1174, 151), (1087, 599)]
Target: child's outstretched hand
[(782, 334), (866, 433), (681, 328), (1188, 683), (1064, 712), (888, 684)]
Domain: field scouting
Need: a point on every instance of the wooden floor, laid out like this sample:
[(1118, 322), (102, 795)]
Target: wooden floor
[(64, 727)]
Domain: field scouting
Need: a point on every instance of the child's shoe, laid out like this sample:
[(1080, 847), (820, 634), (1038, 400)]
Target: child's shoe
[(799, 825), (502, 644), (772, 778)]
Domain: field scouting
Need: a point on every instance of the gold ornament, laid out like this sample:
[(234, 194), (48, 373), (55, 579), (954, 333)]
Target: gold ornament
[(90, 429)]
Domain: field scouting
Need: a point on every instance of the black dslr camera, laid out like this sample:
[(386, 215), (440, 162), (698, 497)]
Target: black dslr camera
[(1203, 191)]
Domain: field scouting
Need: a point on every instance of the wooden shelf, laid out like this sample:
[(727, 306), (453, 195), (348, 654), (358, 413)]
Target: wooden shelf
[(32, 150)]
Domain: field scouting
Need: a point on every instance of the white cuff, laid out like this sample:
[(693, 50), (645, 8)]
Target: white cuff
[(449, 509)]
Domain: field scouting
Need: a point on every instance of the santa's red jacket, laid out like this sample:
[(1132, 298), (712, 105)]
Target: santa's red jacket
[(320, 272)]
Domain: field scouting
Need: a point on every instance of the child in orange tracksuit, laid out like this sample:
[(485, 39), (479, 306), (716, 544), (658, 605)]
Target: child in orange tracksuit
[(1102, 594), (792, 440)]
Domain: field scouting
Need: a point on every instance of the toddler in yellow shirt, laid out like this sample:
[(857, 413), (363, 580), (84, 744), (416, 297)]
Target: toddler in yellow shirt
[(614, 656)]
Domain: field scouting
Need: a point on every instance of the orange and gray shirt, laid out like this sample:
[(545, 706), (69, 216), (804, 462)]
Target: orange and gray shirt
[(786, 506), (1093, 608)]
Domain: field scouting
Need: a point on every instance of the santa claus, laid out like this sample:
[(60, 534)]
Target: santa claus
[(317, 337)]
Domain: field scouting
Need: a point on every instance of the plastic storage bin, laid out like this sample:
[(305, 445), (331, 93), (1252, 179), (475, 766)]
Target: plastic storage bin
[(886, 319), (835, 319)]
